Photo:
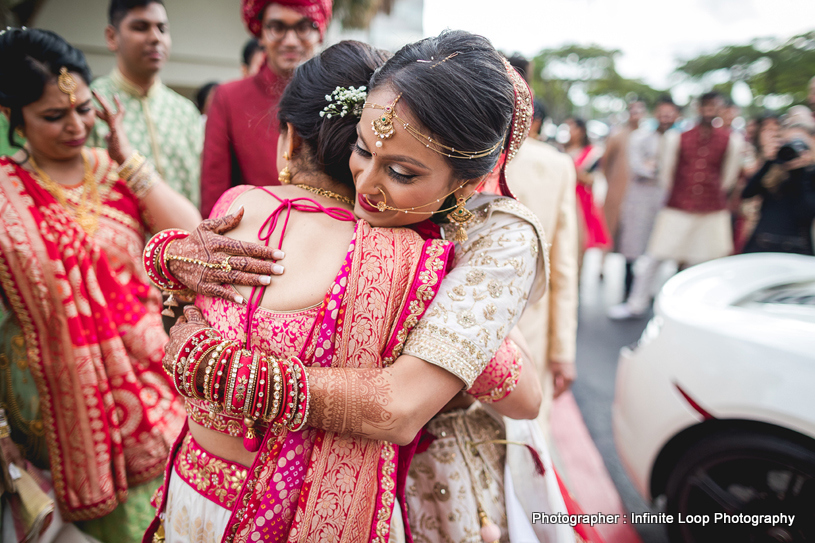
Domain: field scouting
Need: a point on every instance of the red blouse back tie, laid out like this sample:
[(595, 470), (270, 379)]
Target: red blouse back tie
[(304, 205)]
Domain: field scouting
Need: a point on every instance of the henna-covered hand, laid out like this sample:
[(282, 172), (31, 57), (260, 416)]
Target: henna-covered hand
[(119, 147), (187, 324), (250, 262)]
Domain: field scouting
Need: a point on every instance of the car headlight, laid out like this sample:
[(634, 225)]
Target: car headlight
[(651, 331)]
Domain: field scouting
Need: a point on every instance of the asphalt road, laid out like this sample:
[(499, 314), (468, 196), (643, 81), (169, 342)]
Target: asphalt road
[(599, 340)]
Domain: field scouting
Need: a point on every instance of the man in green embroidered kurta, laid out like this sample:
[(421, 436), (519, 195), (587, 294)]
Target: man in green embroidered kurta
[(160, 123), (5, 146)]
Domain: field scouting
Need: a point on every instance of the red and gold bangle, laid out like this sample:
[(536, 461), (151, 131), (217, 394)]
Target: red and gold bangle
[(275, 391), (231, 377), (194, 340), (209, 370), (239, 382), (251, 385), (295, 391), (161, 261), (198, 354), (301, 415), (154, 253), (219, 371), (268, 378), (182, 358), (287, 401), (254, 409)]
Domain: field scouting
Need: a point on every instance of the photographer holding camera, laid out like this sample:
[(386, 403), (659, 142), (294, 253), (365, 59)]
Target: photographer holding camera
[(786, 183)]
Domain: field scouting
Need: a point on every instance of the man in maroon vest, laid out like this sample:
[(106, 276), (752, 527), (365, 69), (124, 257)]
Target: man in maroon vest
[(242, 128), (694, 226)]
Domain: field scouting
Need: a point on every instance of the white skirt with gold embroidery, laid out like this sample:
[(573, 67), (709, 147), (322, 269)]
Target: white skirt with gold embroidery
[(190, 517), (462, 472)]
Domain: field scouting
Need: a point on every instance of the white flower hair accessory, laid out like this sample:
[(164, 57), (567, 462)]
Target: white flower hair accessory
[(343, 101)]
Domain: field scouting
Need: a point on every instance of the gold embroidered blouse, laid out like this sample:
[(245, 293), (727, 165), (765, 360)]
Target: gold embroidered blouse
[(500, 268)]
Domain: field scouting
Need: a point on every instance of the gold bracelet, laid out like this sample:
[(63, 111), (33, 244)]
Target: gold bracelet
[(143, 180), (131, 165), (225, 265)]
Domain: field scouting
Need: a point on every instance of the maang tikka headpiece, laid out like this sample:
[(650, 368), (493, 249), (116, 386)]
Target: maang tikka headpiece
[(67, 84), (383, 124)]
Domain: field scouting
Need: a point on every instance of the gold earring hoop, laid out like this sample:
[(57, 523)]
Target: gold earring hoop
[(285, 174)]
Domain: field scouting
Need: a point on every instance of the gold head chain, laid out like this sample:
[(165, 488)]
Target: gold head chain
[(67, 84), (383, 127)]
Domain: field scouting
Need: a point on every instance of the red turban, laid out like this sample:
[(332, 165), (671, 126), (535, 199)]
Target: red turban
[(318, 11)]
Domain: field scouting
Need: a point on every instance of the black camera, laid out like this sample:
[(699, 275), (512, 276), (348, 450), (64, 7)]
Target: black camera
[(791, 150)]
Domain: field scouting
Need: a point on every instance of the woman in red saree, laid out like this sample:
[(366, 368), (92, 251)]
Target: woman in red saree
[(82, 337), (592, 229)]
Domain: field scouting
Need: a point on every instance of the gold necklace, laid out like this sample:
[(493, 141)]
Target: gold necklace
[(86, 213), (326, 193)]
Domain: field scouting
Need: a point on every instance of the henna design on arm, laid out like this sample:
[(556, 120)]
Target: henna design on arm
[(351, 401)]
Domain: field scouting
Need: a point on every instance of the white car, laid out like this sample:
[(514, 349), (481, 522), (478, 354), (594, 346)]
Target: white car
[(715, 406)]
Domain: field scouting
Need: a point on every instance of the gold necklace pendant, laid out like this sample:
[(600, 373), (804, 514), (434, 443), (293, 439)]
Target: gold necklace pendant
[(326, 193), (86, 212)]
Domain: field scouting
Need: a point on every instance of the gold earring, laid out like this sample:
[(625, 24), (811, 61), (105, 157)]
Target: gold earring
[(285, 174), (461, 216)]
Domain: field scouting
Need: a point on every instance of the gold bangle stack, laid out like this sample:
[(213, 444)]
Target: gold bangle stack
[(131, 165), (139, 174)]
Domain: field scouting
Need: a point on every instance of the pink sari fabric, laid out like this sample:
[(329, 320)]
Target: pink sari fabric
[(593, 219), (93, 336), (315, 485)]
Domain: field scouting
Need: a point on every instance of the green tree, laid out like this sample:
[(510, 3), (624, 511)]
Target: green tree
[(586, 74), (358, 13), (770, 67)]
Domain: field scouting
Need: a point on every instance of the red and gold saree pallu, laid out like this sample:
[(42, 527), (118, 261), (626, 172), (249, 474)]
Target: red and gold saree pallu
[(94, 338)]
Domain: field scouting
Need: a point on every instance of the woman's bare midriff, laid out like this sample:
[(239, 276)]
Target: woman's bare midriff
[(221, 445)]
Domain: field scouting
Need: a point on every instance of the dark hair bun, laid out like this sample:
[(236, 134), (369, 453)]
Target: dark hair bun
[(346, 64)]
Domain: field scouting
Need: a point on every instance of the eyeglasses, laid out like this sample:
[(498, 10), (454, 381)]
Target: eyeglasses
[(277, 30)]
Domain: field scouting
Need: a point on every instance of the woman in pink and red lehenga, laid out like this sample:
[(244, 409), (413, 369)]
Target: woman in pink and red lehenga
[(82, 341), (340, 478)]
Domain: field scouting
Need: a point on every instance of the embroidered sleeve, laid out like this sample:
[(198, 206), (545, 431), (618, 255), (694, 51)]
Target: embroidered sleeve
[(501, 375), (481, 299)]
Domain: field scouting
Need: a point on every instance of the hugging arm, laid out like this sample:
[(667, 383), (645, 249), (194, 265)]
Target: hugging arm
[(479, 301)]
